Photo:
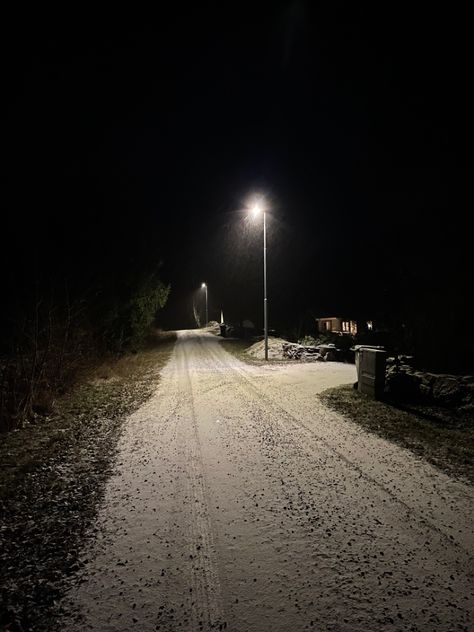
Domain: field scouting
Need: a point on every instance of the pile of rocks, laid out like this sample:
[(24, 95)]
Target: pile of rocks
[(320, 353), (402, 380)]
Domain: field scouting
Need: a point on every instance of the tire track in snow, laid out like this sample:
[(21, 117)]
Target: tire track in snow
[(158, 430), (281, 415), (207, 607), (414, 567)]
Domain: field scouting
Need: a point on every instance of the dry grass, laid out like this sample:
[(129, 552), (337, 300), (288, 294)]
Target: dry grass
[(122, 367), (442, 437), (109, 389), (238, 347), (52, 480)]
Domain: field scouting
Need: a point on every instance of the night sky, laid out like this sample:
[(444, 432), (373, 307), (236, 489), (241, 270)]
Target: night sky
[(125, 135)]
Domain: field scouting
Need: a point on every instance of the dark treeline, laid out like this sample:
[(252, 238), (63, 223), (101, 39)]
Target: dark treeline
[(70, 297)]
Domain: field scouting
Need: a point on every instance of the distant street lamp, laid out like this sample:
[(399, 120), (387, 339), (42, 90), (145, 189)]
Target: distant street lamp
[(256, 210), (204, 286)]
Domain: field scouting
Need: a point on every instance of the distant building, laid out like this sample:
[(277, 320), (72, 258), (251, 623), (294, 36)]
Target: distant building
[(342, 325)]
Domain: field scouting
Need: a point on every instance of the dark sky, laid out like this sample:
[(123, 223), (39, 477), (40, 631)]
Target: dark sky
[(132, 133)]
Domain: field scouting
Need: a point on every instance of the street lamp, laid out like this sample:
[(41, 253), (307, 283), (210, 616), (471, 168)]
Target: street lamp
[(204, 286), (256, 210)]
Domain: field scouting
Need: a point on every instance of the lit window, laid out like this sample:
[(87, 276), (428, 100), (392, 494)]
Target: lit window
[(353, 327)]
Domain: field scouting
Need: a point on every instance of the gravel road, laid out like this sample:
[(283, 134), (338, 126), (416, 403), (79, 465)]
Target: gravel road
[(240, 502)]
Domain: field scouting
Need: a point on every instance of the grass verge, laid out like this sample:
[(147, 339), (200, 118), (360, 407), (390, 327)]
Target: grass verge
[(53, 478), (237, 347), (442, 437)]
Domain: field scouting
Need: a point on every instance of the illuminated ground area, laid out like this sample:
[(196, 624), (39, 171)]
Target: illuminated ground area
[(240, 501)]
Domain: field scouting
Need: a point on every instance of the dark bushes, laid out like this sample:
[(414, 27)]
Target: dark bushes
[(47, 340)]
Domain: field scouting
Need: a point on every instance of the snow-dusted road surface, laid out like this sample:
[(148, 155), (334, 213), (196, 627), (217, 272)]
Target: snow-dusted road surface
[(241, 503)]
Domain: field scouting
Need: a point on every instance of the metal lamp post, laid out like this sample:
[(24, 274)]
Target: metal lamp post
[(256, 211), (204, 286)]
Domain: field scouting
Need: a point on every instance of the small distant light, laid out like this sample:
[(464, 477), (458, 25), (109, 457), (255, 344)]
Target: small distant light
[(370, 325)]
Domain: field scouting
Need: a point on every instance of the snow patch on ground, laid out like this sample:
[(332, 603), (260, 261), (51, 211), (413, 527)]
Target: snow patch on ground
[(241, 501), (275, 349)]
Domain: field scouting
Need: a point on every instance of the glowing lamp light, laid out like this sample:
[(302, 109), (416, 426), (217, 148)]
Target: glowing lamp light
[(256, 210)]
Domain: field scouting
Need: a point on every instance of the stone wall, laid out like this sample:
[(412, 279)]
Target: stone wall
[(404, 381)]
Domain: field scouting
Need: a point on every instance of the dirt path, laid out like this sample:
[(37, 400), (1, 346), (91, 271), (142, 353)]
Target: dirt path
[(240, 502)]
